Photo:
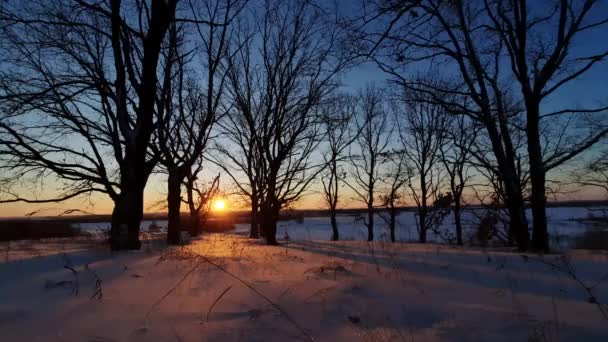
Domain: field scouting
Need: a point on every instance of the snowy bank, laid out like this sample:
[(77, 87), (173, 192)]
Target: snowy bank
[(224, 287)]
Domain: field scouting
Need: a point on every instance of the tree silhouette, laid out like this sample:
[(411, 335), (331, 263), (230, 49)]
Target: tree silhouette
[(81, 100), (372, 123), (337, 119)]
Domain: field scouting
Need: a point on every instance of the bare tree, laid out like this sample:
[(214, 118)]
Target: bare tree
[(595, 172), (396, 177), (83, 86), (198, 199), (489, 186), (240, 155), (278, 81), (539, 44), (372, 143), (422, 135), (449, 37), (192, 107), (337, 120), (459, 137)]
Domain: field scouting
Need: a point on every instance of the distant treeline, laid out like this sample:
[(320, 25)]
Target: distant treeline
[(244, 216)]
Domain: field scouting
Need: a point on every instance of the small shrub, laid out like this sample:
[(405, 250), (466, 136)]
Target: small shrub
[(218, 225), (593, 238), (596, 234)]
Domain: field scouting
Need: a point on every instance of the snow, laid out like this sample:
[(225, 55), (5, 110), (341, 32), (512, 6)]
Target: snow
[(330, 291)]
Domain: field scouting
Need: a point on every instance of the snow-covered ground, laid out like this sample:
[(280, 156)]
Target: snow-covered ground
[(302, 290)]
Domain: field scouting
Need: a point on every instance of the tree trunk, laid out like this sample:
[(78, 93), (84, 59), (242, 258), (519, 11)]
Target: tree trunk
[(128, 207), (134, 171), (195, 223), (370, 221), (538, 199), (334, 225), (516, 206), (269, 220), (254, 231), (392, 223), (126, 218), (510, 180), (458, 221), (271, 232), (195, 217), (174, 201), (422, 208), (332, 195), (517, 221), (268, 217), (422, 223)]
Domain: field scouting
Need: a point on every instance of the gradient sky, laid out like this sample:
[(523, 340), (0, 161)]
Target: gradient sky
[(591, 88)]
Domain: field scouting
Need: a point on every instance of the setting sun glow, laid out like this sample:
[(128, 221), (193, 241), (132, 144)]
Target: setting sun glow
[(219, 204)]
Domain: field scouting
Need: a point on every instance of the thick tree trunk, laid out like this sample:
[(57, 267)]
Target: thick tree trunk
[(129, 207), (540, 235), (335, 236), (510, 180), (422, 225), (458, 221), (126, 219), (538, 199), (134, 171), (517, 219), (271, 232), (269, 220), (174, 201)]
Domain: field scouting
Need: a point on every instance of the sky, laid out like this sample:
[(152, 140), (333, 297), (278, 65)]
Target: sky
[(590, 88), (353, 81)]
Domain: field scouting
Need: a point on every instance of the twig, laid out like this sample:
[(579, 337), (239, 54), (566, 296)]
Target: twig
[(98, 290), (276, 306), (76, 287), (217, 300)]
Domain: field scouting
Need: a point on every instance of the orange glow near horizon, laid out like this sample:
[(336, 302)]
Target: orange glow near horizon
[(219, 204), (99, 204)]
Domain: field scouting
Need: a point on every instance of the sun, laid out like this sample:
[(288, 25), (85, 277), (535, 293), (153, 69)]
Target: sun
[(219, 204)]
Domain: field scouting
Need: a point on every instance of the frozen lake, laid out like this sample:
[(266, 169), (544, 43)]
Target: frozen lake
[(564, 223)]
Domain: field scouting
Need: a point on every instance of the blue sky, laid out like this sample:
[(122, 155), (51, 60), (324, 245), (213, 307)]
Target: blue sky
[(591, 88)]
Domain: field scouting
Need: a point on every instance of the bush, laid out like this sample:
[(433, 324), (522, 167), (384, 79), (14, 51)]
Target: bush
[(596, 234), (593, 238), (218, 225)]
